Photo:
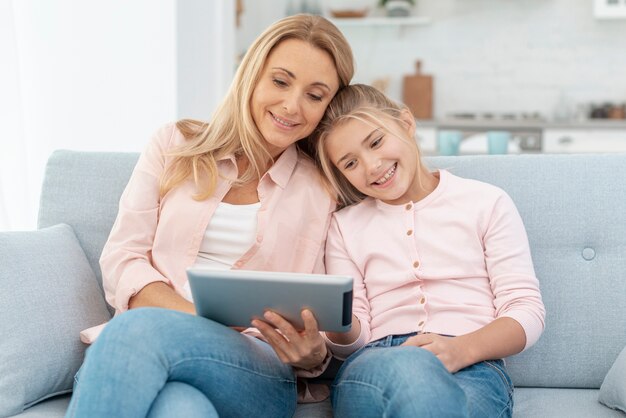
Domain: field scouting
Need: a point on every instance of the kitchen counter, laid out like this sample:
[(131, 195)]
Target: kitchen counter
[(514, 125)]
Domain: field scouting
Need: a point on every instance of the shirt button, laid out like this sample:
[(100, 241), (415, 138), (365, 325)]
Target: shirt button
[(416, 264), (409, 232), (423, 301), (259, 239), (408, 206), (421, 323)]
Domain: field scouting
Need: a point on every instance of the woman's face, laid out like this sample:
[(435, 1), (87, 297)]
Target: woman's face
[(296, 85)]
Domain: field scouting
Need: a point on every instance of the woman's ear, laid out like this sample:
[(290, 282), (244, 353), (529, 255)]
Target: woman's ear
[(408, 120)]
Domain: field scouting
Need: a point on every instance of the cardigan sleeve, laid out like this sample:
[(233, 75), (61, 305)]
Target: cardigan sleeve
[(338, 261), (511, 272)]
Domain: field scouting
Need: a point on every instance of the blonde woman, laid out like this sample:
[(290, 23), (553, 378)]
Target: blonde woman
[(237, 192)]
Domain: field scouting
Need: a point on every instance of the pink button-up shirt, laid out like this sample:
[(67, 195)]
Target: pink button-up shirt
[(448, 264), (156, 239)]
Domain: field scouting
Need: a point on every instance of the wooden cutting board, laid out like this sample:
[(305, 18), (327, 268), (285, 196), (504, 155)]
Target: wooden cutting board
[(418, 93)]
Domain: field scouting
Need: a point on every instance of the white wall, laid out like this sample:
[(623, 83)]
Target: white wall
[(102, 76), (492, 55)]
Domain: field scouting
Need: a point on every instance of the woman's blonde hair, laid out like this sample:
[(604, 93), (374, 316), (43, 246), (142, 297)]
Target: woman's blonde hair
[(368, 105), (232, 130)]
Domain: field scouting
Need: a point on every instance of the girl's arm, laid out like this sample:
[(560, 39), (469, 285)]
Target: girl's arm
[(338, 261), (501, 338), (519, 310)]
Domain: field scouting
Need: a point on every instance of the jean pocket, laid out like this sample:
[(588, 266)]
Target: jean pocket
[(498, 366)]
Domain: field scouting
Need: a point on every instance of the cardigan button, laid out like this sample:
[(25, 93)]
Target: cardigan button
[(589, 254)]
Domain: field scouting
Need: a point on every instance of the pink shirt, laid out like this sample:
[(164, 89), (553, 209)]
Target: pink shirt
[(156, 239), (448, 264)]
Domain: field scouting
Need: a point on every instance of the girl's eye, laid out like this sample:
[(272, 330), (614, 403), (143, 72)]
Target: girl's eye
[(279, 82), (315, 97), (350, 164), (375, 143)]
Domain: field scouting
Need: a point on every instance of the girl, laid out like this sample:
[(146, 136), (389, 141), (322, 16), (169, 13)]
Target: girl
[(444, 283), (233, 193)]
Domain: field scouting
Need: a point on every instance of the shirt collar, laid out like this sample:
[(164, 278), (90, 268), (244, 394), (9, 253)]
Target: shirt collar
[(282, 169)]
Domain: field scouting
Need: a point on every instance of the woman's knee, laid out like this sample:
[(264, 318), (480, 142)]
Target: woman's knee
[(178, 399)]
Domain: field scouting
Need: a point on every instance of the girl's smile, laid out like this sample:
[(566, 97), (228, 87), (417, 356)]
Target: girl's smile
[(381, 162)]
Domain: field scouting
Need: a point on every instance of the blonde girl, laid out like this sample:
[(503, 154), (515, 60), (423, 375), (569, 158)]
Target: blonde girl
[(236, 192), (444, 282)]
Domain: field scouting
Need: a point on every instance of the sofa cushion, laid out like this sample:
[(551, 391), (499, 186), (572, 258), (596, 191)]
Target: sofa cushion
[(48, 294), (546, 402), (613, 389)]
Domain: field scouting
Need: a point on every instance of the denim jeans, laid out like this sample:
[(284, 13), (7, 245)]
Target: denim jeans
[(384, 380), (155, 363)]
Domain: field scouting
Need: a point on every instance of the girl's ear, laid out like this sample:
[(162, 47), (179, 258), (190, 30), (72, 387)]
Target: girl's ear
[(408, 121)]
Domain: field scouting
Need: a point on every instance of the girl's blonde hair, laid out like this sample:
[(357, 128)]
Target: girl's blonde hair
[(368, 105), (232, 130)]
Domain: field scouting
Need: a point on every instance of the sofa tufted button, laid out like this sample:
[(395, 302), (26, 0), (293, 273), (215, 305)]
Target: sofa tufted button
[(589, 253)]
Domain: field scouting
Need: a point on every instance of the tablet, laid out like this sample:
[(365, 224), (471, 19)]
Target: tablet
[(235, 297)]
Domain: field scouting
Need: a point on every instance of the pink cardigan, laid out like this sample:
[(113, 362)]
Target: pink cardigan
[(448, 264)]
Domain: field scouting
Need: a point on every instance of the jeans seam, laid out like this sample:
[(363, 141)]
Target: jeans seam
[(503, 377), (369, 385), (280, 379)]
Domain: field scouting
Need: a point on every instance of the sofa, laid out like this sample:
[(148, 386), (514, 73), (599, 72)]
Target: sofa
[(573, 206)]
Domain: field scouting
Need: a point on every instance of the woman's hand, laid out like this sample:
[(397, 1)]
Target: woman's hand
[(304, 349), (451, 351)]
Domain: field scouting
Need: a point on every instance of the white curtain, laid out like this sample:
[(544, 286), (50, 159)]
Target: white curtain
[(17, 211)]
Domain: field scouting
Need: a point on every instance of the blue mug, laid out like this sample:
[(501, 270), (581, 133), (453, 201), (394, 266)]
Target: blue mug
[(498, 142), (448, 142)]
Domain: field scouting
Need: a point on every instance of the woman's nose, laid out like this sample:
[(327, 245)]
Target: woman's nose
[(291, 104)]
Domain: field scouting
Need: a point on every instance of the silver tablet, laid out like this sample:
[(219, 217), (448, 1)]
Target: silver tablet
[(235, 297)]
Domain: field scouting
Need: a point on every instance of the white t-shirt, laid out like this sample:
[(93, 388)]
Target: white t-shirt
[(229, 234)]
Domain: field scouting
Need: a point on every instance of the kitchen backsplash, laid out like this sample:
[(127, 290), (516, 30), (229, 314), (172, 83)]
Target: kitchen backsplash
[(550, 57)]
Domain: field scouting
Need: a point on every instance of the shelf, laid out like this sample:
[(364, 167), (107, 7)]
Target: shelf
[(381, 21)]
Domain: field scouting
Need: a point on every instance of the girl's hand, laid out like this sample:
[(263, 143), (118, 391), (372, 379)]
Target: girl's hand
[(451, 351), (303, 349)]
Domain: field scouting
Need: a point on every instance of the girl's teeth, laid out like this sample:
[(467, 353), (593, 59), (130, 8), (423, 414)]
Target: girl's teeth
[(387, 175)]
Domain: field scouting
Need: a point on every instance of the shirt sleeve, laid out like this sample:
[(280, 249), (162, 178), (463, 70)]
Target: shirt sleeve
[(511, 271), (338, 261), (126, 258)]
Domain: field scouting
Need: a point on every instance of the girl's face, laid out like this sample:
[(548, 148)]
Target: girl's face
[(296, 85), (377, 162)]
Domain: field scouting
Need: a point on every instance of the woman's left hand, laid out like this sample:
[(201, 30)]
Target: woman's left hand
[(304, 349), (451, 351)]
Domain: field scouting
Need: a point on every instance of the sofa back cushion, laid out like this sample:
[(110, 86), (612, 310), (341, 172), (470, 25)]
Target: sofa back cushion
[(574, 210), (573, 207), (83, 189)]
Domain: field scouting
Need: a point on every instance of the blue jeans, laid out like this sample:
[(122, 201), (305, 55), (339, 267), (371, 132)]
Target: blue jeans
[(153, 362), (384, 380)]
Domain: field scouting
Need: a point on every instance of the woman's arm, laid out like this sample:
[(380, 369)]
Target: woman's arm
[(161, 295)]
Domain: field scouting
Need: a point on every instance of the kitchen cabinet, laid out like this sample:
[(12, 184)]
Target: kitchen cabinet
[(584, 140)]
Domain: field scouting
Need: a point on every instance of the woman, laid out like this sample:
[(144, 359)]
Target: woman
[(235, 193)]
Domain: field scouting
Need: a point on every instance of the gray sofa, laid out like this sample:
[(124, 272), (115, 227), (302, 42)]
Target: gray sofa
[(574, 209)]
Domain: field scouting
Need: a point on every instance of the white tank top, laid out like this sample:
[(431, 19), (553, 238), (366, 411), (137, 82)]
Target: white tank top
[(229, 234)]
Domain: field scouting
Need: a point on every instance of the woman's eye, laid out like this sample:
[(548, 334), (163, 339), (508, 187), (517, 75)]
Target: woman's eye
[(376, 142), (315, 97), (279, 82), (349, 165)]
